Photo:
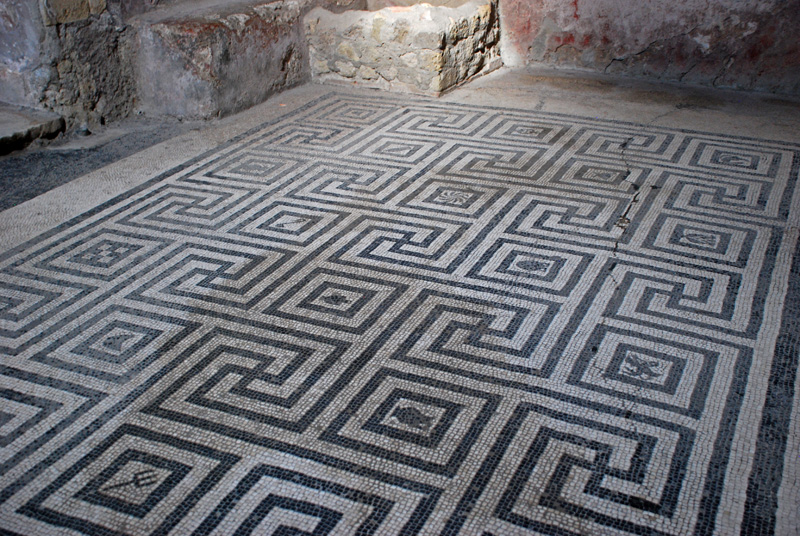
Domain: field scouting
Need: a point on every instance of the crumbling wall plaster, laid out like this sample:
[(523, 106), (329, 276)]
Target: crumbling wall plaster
[(24, 70), (68, 56), (745, 44)]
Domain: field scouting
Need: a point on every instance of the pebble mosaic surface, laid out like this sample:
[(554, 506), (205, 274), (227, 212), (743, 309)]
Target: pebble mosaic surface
[(396, 316)]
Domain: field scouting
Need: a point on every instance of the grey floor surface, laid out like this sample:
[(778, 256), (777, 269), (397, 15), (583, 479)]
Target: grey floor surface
[(42, 167), (538, 305)]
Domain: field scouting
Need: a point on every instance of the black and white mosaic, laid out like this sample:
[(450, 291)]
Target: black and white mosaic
[(395, 316)]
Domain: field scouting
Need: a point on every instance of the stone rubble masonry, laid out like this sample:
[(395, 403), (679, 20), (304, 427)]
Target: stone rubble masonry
[(94, 79), (64, 11), (419, 48)]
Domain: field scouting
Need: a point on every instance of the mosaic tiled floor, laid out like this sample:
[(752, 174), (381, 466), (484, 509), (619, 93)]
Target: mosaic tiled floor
[(389, 316)]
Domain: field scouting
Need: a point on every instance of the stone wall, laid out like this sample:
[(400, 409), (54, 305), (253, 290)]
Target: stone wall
[(77, 57), (68, 56), (745, 44), (90, 61), (420, 48)]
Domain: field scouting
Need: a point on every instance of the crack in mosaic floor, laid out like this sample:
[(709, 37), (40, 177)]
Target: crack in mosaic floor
[(396, 316)]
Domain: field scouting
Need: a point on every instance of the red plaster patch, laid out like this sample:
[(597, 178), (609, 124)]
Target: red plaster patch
[(559, 40)]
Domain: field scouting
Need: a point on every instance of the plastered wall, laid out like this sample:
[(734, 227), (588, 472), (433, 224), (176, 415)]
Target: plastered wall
[(746, 44)]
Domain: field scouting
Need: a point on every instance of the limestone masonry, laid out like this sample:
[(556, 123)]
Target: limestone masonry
[(419, 48)]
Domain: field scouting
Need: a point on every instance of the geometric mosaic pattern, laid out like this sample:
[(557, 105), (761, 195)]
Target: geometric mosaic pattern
[(397, 316)]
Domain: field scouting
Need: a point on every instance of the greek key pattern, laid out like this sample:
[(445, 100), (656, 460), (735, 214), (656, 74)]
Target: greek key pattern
[(396, 316)]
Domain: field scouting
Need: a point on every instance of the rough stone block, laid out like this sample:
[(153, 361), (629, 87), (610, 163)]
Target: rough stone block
[(413, 47), (201, 64)]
